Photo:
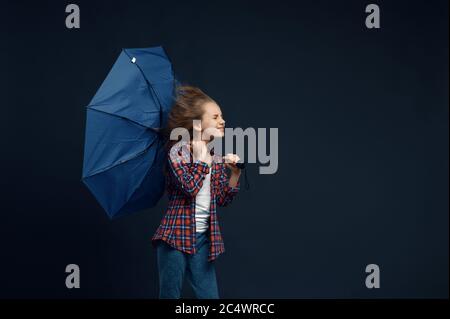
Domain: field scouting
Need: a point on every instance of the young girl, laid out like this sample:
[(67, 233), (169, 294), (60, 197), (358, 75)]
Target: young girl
[(188, 239)]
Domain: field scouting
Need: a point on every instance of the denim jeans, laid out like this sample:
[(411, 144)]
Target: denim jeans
[(173, 265)]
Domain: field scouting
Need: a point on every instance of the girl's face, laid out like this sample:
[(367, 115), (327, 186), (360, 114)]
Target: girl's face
[(213, 118)]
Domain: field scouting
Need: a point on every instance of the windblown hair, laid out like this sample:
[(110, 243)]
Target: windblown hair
[(188, 106)]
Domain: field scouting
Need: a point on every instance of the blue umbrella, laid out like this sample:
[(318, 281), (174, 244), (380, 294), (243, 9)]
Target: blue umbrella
[(124, 150)]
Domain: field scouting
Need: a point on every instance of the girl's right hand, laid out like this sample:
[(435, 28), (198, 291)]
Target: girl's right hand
[(200, 152)]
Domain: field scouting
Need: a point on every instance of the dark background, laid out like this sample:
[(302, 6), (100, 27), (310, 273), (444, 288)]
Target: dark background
[(363, 145)]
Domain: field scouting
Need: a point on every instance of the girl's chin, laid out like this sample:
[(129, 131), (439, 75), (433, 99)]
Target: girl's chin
[(219, 134)]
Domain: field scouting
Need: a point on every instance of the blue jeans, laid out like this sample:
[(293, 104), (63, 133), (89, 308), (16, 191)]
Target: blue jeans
[(174, 264)]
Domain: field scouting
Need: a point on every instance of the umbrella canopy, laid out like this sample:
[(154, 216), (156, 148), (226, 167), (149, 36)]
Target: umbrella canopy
[(124, 153)]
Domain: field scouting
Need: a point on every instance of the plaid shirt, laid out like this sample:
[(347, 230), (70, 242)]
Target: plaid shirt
[(184, 181)]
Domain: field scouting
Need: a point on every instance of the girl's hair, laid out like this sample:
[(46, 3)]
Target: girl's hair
[(188, 106)]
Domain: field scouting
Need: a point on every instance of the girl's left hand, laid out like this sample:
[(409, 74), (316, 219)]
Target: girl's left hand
[(230, 162)]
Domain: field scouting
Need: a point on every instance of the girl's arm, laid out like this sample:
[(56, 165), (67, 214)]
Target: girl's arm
[(228, 187), (189, 176), (234, 179)]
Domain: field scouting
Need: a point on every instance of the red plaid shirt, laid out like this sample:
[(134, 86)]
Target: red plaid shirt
[(184, 180)]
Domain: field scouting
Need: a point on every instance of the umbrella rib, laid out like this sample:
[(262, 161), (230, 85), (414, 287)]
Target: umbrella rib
[(156, 130), (150, 85), (122, 161), (149, 169)]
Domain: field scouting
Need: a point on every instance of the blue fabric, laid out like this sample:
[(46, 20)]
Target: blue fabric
[(175, 265), (123, 154)]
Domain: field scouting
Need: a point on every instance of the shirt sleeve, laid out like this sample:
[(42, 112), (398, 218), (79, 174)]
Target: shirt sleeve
[(226, 192), (188, 175)]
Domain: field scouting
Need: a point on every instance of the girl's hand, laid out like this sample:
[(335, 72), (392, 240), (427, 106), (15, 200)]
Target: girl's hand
[(230, 162), (200, 152)]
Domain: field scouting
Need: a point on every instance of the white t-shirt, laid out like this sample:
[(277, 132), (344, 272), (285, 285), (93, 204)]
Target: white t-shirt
[(202, 204)]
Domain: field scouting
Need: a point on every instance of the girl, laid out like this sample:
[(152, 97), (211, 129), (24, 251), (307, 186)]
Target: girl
[(188, 239)]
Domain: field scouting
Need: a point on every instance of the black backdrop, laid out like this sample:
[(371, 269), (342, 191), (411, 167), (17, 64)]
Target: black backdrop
[(363, 145)]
